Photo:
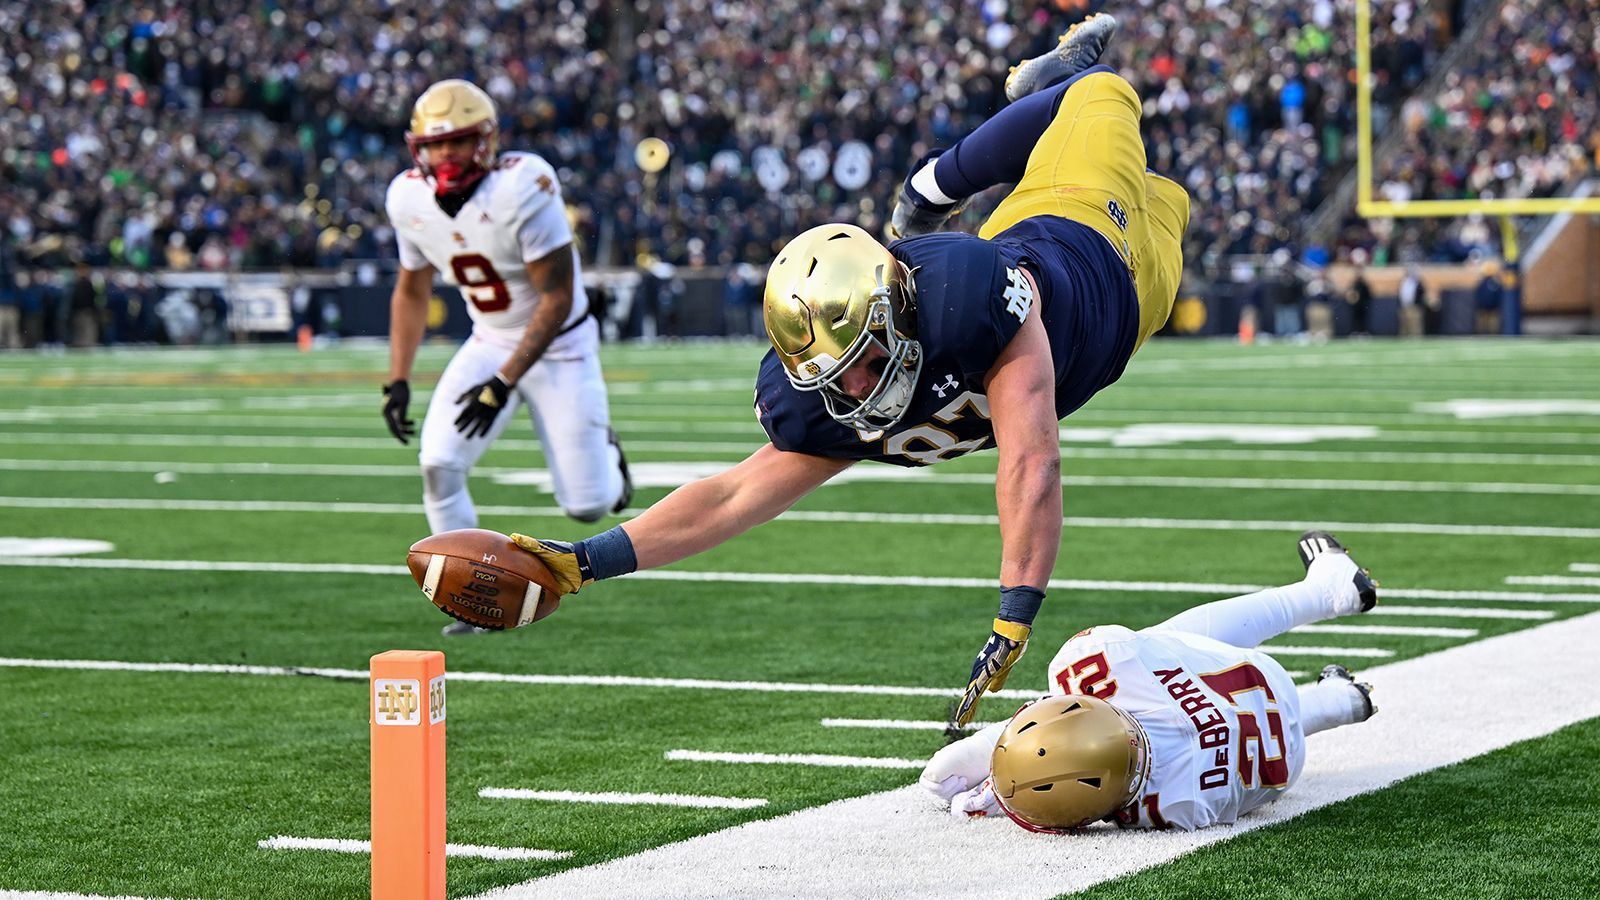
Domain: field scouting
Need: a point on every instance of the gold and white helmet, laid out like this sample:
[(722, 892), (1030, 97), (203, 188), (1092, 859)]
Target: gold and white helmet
[(836, 297), (448, 110), (1066, 762)]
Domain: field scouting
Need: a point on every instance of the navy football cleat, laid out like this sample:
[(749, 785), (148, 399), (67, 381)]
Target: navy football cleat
[(1320, 543)]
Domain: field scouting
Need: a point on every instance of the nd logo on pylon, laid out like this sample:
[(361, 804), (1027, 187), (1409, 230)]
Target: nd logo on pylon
[(396, 701)]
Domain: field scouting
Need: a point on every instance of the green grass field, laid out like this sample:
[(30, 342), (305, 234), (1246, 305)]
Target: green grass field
[(1194, 473)]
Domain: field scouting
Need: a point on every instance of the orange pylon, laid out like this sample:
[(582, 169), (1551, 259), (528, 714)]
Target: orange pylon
[(407, 689)]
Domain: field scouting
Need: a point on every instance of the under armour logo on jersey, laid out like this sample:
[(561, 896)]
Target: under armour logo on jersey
[(949, 384), (1018, 296), (484, 218)]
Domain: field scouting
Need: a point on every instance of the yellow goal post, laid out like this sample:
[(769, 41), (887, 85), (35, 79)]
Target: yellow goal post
[(1369, 207)]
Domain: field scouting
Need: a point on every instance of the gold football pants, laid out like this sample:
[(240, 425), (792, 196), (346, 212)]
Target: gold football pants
[(1089, 166)]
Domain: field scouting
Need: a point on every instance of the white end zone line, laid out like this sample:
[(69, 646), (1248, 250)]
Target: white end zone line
[(1058, 584), (1584, 567), (898, 844), (343, 845), (698, 801)]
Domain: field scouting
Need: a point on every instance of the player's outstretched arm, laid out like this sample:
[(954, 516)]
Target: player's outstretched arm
[(690, 520), (1021, 390)]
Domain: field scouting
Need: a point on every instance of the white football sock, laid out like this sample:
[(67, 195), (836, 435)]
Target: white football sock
[(924, 183), (446, 501), (1330, 703), (1248, 620)]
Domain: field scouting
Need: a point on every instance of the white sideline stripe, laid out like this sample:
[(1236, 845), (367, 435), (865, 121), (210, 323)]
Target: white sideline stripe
[(897, 844), (694, 800), (796, 759), (1059, 584), (702, 684), (1401, 630), (899, 724), (1459, 612), (344, 845), (1553, 580), (1584, 567), (63, 895), (1369, 652)]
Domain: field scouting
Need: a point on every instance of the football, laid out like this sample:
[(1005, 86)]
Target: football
[(482, 578)]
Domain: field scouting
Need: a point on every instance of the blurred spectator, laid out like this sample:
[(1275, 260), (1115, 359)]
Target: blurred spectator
[(84, 308), (1413, 302), (10, 318), (1359, 296), (1487, 297)]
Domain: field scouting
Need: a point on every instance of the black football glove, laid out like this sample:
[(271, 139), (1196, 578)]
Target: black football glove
[(483, 404), (396, 399)]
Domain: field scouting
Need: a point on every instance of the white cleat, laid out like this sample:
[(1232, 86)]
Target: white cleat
[(1078, 49), (458, 628)]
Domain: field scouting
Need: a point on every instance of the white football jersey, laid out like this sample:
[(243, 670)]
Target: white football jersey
[(514, 217), (1223, 723)]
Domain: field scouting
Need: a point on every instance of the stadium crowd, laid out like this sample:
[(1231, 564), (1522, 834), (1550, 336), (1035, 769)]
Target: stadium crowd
[(241, 135), (1527, 129)]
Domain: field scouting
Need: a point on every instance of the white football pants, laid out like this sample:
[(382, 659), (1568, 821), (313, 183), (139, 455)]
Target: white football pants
[(565, 395), (1326, 592)]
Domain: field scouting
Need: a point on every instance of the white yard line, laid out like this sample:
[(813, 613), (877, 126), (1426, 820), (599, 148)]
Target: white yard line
[(690, 470), (1584, 567), (344, 845), (1333, 652), (796, 759), (897, 844), (874, 518), (1460, 612), (59, 895), (1553, 580), (628, 681), (1404, 630), (698, 801), (1060, 584), (898, 724)]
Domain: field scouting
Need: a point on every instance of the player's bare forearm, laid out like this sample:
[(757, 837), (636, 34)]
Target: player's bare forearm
[(702, 514), (1028, 494), (1021, 388), (552, 278), (408, 319)]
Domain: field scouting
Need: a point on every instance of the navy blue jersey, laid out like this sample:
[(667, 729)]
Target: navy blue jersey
[(971, 300)]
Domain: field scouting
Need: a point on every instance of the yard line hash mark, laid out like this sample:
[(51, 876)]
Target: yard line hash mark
[(475, 851), (620, 799)]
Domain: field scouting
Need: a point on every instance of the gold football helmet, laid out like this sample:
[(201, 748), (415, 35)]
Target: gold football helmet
[(1065, 762), (448, 110), (835, 298)]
